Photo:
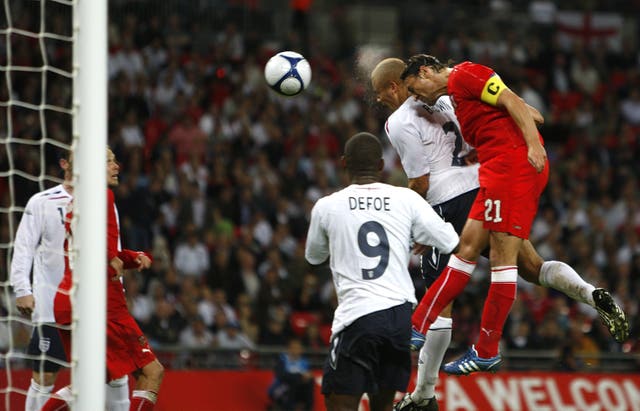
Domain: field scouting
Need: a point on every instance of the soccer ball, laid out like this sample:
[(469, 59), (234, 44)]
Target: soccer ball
[(288, 73)]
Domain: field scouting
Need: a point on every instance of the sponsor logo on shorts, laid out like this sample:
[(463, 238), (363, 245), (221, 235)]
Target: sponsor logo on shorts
[(44, 344)]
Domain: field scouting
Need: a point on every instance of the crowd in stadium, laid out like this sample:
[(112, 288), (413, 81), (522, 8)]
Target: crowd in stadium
[(219, 174)]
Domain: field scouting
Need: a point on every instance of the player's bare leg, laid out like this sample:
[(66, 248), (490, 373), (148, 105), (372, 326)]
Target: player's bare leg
[(148, 380), (341, 402), (562, 277), (39, 390), (382, 401)]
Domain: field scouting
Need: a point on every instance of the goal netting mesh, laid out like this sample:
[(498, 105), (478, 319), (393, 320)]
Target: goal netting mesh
[(36, 117)]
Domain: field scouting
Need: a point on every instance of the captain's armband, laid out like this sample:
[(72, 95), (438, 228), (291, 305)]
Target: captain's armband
[(492, 90)]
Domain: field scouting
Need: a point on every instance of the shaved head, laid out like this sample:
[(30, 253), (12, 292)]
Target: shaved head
[(386, 71)]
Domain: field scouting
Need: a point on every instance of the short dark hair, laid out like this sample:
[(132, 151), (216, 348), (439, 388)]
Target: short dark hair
[(418, 60), (362, 154)]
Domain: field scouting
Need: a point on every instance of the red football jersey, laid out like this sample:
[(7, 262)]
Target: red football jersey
[(489, 129), (116, 302)]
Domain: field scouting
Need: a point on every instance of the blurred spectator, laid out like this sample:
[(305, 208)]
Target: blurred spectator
[(549, 334), (276, 331), (221, 273), (195, 171), (232, 337), (312, 339), (127, 60), (165, 325), (568, 360), (273, 262), (292, 387), (213, 301), (140, 304), (273, 293), (584, 74), (246, 317), (131, 132), (187, 139), (250, 282), (191, 257), (196, 334), (307, 297), (582, 344), (538, 302), (630, 107), (521, 338), (220, 321)]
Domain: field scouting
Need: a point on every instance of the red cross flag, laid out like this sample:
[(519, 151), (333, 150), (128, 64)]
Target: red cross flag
[(591, 29)]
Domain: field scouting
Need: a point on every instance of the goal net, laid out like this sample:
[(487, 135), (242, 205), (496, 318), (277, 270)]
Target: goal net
[(53, 99)]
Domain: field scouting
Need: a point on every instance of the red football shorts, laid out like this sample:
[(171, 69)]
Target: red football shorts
[(62, 314), (127, 348), (510, 190)]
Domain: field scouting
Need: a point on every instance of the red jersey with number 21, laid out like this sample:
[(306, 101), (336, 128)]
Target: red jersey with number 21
[(474, 90)]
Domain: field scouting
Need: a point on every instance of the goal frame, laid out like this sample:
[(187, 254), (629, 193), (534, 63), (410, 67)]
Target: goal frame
[(90, 217)]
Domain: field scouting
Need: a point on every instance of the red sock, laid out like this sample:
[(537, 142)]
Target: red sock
[(142, 400), (55, 404), (449, 284), (502, 294)]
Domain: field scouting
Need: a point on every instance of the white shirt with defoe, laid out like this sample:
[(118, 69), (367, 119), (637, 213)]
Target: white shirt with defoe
[(39, 243), (428, 141), (367, 231)]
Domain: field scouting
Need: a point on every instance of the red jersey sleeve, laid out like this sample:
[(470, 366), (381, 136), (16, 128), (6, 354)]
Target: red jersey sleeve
[(471, 79), (128, 257)]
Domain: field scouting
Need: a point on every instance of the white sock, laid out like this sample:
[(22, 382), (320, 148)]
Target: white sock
[(37, 396), (562, 277), (431, 355), (118, 394)]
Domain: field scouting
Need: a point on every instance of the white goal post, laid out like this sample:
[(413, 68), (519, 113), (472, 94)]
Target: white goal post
[(89, 144)]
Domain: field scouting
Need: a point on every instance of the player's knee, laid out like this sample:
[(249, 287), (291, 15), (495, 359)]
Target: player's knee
[(470, 248), (45, 378), (529, 269), (446, 312), (154, 371)]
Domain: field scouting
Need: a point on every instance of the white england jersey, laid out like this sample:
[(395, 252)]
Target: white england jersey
[(428, 141), (367, 231), (40, 242)]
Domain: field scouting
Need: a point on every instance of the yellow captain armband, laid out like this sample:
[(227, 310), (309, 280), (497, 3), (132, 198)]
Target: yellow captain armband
[(492, 89)]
